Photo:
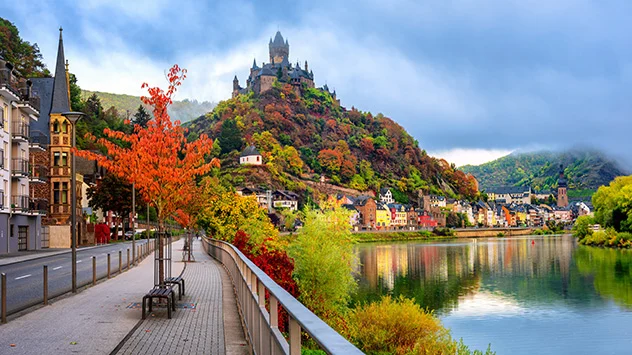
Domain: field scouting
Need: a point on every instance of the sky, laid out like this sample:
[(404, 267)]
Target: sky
[(471, 80)]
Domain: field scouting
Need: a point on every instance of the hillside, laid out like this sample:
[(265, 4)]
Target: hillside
[(184, 110), (304, 137), (584, 169)]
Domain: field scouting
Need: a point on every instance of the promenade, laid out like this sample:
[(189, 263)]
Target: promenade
[(106, 318)]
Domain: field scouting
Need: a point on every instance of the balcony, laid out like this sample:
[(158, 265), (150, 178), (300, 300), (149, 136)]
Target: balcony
[(39, 174), (9, 88), (30, 104), (38, 141), (19, 167), (20, 131), (38, 206), (20, 203)]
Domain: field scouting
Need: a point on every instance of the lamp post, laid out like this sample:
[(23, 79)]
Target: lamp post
[(73, 117)]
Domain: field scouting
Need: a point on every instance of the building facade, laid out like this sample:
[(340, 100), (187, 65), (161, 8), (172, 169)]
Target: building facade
[(20, 213)]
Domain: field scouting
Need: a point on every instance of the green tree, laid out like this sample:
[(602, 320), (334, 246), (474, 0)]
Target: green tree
[(25, 56), (76, 104), (581, 228), (230, 136), (613, 204), (141, 117), (324, 262), (112, 194)]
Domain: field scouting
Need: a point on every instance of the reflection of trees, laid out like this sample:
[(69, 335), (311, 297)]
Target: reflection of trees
[(611, 270), (543, 272)]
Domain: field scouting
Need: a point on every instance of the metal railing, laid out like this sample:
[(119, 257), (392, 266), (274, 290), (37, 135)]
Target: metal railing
[(20, 202), (39, 172), (33, 101), (38, 205), (261, 323), (20, 166), (20, 130), (9, 81)]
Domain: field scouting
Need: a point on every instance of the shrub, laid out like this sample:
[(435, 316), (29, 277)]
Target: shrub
[(399, 326), (500, 234), (581, 228)]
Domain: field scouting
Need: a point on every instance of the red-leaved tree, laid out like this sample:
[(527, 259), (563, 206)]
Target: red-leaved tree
[(157, 159)]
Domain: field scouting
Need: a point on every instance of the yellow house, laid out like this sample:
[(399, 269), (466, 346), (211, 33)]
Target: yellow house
[(382, 216)]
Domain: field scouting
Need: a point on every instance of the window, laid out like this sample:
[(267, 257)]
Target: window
[(56, 193), (64, 192), (64, 127), (56, 127), (56, 156), (2, 116), (1, 158), (64, 159)]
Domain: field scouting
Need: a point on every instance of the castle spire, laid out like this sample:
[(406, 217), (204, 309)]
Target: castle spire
[(60, 101), (254, 63)]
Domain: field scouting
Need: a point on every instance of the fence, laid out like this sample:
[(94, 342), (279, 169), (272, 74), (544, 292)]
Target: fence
[(251, 285), (56, 279)]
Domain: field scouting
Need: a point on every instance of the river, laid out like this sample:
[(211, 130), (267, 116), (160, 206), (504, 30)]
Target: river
[(524, 295)]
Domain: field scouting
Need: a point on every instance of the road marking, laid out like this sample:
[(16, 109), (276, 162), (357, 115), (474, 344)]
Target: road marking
[(78, 261), (57, 268), (22, 277)]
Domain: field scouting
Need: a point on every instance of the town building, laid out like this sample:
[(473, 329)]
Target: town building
[(510, 194), (282, 199), (56, 129), (386, 196), (562, 184), (367, 208), (20, 213), (250, 156)]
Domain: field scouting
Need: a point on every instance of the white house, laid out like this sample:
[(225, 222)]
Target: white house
[(250, 156), (386, 195)]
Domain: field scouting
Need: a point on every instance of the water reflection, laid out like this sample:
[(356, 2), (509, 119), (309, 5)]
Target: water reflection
[(530, 295), (532, 270)]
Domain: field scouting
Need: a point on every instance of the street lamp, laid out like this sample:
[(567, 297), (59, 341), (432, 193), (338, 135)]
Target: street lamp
[(73, 117)]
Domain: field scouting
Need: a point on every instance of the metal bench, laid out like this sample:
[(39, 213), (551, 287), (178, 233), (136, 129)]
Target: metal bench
[(178, 280), (160, 292)]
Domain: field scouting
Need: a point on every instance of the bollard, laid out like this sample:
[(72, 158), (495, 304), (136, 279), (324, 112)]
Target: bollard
[(3, 308), (45, 285), (120, 262), (128, 259), (108, 265), (94, 270)]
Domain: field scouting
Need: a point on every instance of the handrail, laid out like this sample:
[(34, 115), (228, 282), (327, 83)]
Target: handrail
[(251, 284)]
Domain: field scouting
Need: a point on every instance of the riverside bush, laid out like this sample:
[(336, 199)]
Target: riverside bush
[(400, 326), (608, 238)]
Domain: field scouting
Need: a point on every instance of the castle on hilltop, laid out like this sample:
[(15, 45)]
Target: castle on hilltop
[(261, 78)]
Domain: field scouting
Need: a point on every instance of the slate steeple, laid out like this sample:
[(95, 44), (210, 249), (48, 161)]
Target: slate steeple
[(60, 102)]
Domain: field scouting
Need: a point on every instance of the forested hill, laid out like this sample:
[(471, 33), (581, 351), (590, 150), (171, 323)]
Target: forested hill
[(584, 169), (184, 110), (304, 137)]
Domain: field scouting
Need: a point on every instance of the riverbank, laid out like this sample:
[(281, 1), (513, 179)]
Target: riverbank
[(395, 236)]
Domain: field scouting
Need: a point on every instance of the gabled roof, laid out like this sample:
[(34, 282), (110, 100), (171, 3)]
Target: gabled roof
[(60, 101), (361, 200), (251, 150), (508, 189), (384, 190)]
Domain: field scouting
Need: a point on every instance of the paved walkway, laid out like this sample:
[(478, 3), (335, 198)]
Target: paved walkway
[(105, 319)]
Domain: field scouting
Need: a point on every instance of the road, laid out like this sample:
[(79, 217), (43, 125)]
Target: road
[(25, 279)]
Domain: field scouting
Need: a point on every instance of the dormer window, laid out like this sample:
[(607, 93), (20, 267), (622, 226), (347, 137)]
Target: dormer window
[(56, 127), (64, 127)]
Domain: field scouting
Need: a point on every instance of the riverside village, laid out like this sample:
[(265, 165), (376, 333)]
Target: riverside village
[(148, 207)]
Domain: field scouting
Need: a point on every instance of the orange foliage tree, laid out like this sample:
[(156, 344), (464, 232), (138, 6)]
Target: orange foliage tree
[(157, 159)]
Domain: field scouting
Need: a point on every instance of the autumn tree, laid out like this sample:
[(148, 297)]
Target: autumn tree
[(25, 56), (157, 159)]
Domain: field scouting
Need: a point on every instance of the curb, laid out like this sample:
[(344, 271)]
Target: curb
[(60, 253)]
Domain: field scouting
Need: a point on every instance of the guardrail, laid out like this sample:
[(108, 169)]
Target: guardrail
[(251, 285)]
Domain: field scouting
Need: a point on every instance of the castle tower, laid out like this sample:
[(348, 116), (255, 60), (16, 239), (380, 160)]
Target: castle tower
[(235, 86), (562, 197), (279, 49)]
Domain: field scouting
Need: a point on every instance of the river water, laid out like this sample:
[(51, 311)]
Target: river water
[(524, 295)]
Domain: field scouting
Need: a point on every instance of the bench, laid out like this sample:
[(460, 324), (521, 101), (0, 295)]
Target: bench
[(160, 292), (178, 280)]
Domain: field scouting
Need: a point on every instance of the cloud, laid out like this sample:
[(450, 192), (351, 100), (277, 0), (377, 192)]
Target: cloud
[(464, 156)]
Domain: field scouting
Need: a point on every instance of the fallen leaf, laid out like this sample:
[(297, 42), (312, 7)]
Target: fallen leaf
[(12, 345), (73, 343)]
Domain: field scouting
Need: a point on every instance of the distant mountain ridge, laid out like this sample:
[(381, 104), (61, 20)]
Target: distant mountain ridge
[(185, 110), (585, 170)]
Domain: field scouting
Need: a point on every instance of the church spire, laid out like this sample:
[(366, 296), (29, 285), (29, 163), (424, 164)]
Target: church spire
[(60, 102)]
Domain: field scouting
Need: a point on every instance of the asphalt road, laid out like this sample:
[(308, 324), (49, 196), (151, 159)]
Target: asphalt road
[(25, 279)]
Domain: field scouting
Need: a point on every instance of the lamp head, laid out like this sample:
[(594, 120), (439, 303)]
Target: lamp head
[(73, 116)]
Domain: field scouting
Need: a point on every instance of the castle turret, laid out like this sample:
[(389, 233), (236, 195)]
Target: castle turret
[(279, 49), (236, 86), (306, 68)]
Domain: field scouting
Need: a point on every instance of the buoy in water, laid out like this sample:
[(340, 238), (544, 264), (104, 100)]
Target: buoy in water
[(532, 242)]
